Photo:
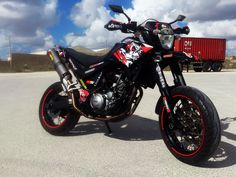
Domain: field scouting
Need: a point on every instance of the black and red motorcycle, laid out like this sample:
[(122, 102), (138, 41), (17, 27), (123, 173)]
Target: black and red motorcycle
[(109, 88)]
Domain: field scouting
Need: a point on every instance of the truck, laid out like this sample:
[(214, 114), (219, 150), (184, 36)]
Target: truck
[(209, 51)]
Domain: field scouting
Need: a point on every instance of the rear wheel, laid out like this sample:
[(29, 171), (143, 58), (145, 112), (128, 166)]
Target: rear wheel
[(56, 121), (194, 134), (206, 66), (217, 66), (197, 69)]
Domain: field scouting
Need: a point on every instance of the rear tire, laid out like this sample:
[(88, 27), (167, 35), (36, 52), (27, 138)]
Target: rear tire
[(206, 66), (59, 122), (197, 69), (217, 66), (196, 133)]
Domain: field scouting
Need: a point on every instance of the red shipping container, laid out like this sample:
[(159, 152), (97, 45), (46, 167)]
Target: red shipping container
[(211, 49)]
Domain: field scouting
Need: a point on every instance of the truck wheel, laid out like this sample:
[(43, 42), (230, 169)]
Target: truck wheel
[(197, 69), (206, 67), (217, 66)]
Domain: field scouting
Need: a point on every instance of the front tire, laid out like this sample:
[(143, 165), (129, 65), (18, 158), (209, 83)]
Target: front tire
[(56, 122), (195, 133)]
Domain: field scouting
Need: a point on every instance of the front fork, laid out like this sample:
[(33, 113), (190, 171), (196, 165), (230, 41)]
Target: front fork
[(165, 89)]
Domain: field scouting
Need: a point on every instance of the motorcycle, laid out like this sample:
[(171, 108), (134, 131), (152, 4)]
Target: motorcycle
[(109, 88)]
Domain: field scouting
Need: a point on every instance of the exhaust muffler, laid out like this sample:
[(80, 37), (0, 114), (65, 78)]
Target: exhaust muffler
[(60, 68)]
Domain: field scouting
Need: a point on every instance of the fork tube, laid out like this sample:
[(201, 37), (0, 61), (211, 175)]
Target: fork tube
[(177, 74), (165, 93), (163, 86)]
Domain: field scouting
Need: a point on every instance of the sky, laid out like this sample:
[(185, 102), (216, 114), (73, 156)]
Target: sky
[(36, 25)]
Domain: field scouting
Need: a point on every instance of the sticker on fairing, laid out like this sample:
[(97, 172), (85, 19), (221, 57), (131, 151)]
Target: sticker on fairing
[(129, 54)]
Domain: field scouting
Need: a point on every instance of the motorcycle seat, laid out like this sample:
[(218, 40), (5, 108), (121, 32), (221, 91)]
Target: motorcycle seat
[(85, 59)]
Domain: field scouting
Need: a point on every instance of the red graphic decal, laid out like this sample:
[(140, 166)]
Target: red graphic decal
[(116, 55), (168, 56), (97, 64), (83, 95), (120, 57), (129, 46), (146, 48), (157, 24)]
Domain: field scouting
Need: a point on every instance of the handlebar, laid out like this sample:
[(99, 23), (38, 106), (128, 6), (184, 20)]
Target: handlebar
[(132, 27), (184, 30), (129, 27), (113, 25)]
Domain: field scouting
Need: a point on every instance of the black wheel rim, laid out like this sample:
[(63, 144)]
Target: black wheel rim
[(51, 118), (187, 136)]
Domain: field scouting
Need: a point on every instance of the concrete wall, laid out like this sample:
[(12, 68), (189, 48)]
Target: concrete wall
[(30, 62), (4, 66)]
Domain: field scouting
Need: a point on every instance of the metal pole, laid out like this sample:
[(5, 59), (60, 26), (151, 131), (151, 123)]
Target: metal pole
[(10, 57)]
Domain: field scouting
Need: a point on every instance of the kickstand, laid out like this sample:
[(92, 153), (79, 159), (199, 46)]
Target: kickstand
[(108, 127)]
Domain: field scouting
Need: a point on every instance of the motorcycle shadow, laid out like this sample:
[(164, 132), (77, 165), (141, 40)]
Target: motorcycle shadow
[(225, 155), (135, 128)]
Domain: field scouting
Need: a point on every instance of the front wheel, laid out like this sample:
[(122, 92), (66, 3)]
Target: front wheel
[(194, 133)]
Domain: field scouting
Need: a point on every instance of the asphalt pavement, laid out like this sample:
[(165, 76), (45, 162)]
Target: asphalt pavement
[(135, 149)]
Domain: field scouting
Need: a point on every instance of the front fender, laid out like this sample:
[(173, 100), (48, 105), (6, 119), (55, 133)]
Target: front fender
[(160, 101), (158, 105)]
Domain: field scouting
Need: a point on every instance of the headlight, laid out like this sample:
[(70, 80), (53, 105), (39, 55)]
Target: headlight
[(166, 36)]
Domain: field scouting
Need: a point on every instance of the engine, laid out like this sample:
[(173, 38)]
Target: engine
[(111, 95), (100, 101)]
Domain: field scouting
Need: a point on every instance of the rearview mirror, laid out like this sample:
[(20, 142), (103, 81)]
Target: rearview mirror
[(117, 9), (180, 18)]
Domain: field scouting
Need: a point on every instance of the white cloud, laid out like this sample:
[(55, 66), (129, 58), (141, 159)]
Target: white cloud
[(212, 18), (6, 12), (93, 15), (220, 28), (85, 12), (231, 47), (226, 2), (26, 22)]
